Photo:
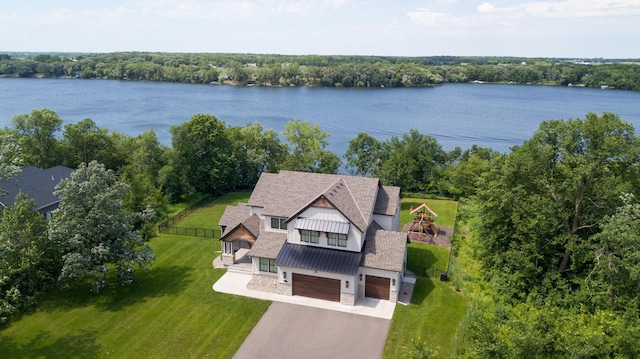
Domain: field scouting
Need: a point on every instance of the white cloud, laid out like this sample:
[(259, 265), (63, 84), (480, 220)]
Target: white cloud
[(568, 8)]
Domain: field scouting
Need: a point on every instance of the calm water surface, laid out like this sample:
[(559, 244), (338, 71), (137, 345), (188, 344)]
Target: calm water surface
[(496, 116)]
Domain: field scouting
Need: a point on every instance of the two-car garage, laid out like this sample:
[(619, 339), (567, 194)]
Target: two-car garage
[(329, 288), (316, 287)]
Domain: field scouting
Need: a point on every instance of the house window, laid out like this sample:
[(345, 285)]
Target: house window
[(309, 236), (268, 265), (278, 223), (337, 239)]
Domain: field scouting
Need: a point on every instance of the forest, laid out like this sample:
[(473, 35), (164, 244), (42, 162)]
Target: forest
[(547, 259), (325, 71)]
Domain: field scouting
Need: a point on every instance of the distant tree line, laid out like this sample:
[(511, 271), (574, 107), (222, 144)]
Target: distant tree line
[(325, 71)]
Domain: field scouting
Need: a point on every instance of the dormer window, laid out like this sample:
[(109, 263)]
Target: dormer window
[(337, 239), (309, 236), (278, 223)]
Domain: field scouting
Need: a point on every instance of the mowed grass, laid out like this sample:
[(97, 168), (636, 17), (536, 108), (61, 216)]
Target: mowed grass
[(172, 312), (208, 216), (436, 308), (169, 312), (446, 210)]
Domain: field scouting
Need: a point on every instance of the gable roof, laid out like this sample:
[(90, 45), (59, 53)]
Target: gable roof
[(38, 184), (251, 224), (355, 197), (234, 215), (384, 249), (426, 207)]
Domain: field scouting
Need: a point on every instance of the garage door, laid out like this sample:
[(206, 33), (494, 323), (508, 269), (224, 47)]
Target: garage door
[(316, 287), (376, 287)]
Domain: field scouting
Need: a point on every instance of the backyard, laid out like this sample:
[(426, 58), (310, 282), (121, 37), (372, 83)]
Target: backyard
[(171, 310)]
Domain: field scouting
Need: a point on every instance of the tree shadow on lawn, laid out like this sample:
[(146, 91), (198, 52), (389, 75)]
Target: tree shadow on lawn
[(424, 287), (156, 282), (420, 258), (84, 344)]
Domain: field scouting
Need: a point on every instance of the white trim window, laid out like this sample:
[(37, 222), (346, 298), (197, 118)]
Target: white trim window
[(278, 223), (337, 239), (309, 236), (268, 265)]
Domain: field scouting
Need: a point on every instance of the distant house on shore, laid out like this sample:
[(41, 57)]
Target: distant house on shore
[(38, 184)]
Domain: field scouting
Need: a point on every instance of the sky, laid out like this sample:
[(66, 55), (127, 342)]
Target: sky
[(551, 28)]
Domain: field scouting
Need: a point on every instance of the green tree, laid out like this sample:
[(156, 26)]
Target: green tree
[(255, 150), (413, 162), (28, 260), (307, 148), (94, 231), (9, 157), (363, 155), (202, 158), (84, 142), (36, 132), (614, 282), (541, 204)]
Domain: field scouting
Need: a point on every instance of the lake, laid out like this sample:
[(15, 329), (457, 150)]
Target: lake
[(489, 115)]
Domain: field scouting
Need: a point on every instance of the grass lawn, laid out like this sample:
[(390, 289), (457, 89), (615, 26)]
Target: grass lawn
[(172, 312), (169, 312), (432, 317), (446, 210), (436, 308), (208, 216)]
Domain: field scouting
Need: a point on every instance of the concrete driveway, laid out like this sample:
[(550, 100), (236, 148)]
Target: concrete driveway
[(295, 331)]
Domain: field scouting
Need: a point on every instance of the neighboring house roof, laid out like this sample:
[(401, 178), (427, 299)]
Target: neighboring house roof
[(301, 189), (38, 184), (384, 249), (320, 259)]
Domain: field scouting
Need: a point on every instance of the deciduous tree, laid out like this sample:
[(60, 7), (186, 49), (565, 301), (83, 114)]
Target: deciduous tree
[(36, 132), (94, 231), (28, 260)]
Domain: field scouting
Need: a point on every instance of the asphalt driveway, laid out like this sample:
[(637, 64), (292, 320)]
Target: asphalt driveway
[(295, 331)]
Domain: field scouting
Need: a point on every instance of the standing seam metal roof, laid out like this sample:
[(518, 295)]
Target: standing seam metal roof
[(320, 259), (322, 225)]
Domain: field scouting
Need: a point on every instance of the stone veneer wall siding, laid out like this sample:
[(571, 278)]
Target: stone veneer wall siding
[(347, 298), (265, 283), (285, 288)]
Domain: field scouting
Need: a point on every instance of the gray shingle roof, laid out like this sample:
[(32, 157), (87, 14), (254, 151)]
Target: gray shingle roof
[(320, 259), (268, 245), (387, 202), (233, 215), (38, 184), (384, 249), (301, 189), (253, 224)]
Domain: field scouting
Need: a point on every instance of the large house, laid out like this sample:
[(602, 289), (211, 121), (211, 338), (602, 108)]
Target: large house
[(38, 184), (325, 236)]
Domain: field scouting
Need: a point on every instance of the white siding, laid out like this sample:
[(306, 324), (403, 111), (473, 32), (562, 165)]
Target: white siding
[(355, 238)]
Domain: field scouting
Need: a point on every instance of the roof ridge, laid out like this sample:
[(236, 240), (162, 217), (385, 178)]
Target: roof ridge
[(364, 218)]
